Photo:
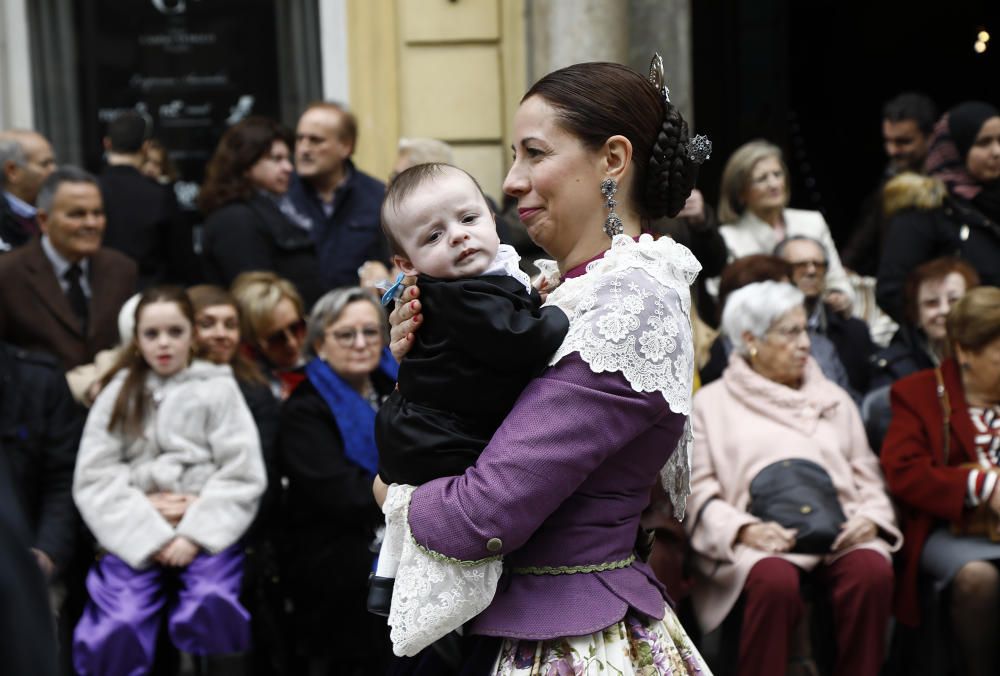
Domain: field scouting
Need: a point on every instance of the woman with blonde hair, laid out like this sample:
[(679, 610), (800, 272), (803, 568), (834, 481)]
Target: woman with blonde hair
[(273, 327), (754, 210)]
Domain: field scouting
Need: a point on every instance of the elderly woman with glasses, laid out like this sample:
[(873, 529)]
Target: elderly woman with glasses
[(327, 452), (273, 327), (772, 418)]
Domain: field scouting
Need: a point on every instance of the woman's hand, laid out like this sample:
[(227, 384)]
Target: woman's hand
[(840, 302), (694, 208), (767, 537), (855, 531), (177, 553), (44, 562), (404, 320), (994, 502), (380, 489), (372, 272), (171, 506)]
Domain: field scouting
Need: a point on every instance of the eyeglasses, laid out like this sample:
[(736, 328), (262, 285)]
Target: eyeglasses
[(800, 266), (293, 333), (788, 333), (347, 337)]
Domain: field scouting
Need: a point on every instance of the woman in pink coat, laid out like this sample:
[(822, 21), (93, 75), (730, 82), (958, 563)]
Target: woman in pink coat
[(772, 404)]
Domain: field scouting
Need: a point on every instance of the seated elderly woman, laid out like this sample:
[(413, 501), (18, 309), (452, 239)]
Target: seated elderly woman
[(762, 268), (921, 342), (941, 458), (327, 451), (772, 420)]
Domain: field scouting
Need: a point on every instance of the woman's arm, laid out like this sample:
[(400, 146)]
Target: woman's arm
[(713, 524), (122, 519), (910, 242), (228, 501), (908, 459), (564, 425), (234, 242), (873, 502), (311, 455)]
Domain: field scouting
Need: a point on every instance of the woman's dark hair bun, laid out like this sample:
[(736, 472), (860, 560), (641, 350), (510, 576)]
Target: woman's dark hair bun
[(671, 174)]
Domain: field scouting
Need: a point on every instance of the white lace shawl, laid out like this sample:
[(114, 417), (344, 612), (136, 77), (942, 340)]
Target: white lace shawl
[(629, 313), (433, 594)]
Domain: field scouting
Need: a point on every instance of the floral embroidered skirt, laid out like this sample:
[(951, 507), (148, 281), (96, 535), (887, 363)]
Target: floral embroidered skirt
[(636, 645)]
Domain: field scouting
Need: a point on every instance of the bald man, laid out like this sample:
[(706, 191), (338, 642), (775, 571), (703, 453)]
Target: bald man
[(26, 160), (337, 202)]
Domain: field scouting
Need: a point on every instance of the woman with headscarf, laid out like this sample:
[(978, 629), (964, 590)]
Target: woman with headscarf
[(965, 156)]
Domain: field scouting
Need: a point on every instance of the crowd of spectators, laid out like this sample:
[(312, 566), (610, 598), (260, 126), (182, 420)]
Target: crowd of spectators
[(896, 401)]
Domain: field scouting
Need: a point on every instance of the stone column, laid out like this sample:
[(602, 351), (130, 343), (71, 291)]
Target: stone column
[(562, 33), (664, 26), (16, 109)]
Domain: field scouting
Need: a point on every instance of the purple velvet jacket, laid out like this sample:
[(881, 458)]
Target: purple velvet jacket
[(562, 483)]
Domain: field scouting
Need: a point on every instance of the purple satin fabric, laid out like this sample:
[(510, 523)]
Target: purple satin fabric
[(117, 632)]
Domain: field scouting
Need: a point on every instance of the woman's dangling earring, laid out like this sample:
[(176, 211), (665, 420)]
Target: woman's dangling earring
[(753, 352), (612, 224)]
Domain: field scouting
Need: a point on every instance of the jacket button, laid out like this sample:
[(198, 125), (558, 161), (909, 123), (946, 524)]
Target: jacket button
[(494, 545)]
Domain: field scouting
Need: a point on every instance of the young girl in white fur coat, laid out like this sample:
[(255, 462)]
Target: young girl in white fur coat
[(168, 478)]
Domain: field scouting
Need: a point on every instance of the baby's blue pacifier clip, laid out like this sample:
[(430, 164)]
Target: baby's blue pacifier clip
[(395, 291)]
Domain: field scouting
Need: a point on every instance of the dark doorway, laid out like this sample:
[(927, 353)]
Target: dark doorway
[(812, 77)]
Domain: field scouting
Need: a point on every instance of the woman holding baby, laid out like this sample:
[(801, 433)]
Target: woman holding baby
[(556, 495)]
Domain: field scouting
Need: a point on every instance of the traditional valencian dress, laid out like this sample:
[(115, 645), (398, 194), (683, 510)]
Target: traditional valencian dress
[(533, 547)]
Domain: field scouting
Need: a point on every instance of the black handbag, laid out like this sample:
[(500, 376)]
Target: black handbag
[(799, 494)]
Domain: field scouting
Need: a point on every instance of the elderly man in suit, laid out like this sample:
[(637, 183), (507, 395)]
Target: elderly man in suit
[(61, 292), (26, 160)]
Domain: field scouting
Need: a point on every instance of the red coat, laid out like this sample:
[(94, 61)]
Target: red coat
[(927, 489)]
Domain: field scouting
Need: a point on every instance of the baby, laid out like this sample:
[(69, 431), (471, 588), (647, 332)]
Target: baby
[(484, 336)]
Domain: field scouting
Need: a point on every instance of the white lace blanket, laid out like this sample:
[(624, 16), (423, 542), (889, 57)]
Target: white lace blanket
[(630, 313)]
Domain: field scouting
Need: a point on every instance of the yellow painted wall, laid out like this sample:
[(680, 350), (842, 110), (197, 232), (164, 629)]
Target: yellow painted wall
[(374, 82), (448, 70)]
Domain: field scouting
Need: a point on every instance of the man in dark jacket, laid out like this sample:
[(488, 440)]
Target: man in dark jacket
[(339, 203), (27, 643), (40, 428), (849, 335), (141, 214), (907, 123)]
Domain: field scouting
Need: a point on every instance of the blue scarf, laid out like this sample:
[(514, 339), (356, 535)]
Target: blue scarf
[(354, 415)]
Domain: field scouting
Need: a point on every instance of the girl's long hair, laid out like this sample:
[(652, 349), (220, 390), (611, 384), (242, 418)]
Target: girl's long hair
[(130, 407)]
